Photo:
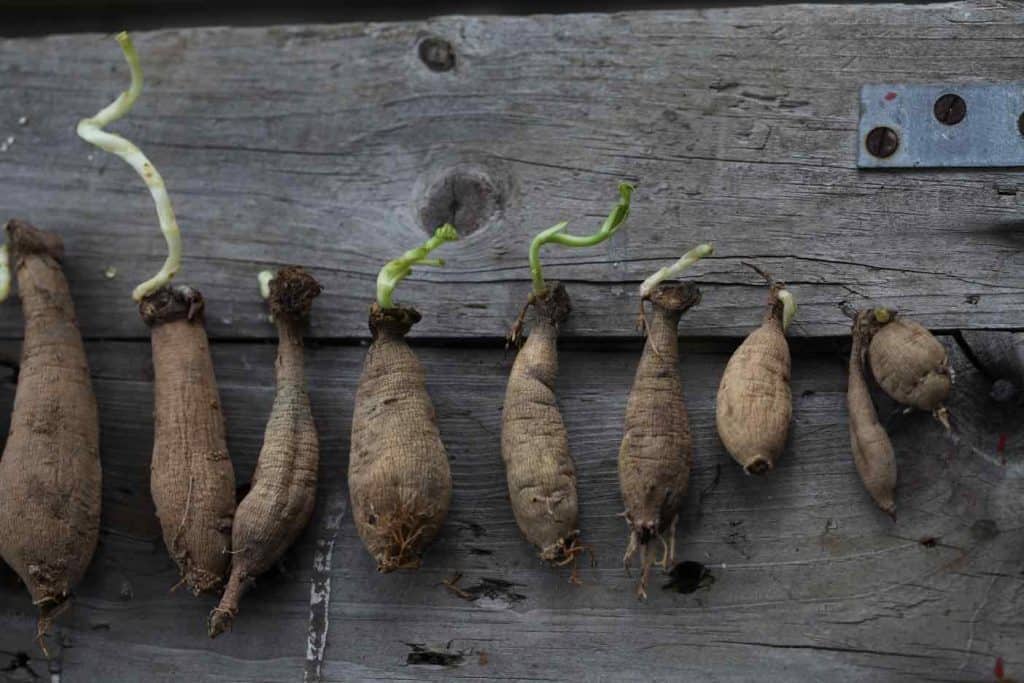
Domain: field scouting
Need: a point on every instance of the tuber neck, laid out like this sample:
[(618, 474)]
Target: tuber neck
[(774, 309), (392, 322), (26, 240), (552, 305), (168, 304), (289, 368)]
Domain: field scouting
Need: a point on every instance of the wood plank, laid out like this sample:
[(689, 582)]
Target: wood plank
[(811, 582), (320, 145)]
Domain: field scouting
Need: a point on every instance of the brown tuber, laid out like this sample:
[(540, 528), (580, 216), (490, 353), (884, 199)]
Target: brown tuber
[(50, 480), (872, 451), (283, 493), (911, 366), (540, 472), (657, 447), (191, 477), (754, 405)]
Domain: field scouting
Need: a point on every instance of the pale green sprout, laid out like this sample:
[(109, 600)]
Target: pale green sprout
[(554, 234), (788, 307), (395, 271), (264, 278), (91, 130), (673, 271), (5, 273)]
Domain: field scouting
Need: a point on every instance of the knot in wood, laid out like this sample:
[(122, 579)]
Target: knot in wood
[(465, 197)]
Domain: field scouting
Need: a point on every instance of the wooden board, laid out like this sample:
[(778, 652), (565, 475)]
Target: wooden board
[(337, 147), (810, 581)]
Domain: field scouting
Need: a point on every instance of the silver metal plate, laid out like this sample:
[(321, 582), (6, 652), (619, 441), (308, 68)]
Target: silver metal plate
[(988, 135)]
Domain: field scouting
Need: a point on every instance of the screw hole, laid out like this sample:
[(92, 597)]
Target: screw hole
[(1020, 124), (437, 53), (950, 109), (882, 142)]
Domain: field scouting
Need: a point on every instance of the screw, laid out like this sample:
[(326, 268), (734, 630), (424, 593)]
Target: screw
[(437, 53), (950, 109), (882, 142)]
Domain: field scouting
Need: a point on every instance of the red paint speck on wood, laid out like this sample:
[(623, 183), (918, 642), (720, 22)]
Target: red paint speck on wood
[(998, 670), (1001, 446), (890, 96)]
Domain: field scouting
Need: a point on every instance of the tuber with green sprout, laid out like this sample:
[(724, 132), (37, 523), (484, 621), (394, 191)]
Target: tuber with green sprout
[(754, 404), (192, 480), (280, 502), (872, 450), (399, 479), (657, 448), (50, 478), (540, 471)]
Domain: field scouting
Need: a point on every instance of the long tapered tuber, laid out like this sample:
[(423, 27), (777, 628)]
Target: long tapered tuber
[(399, 478), (539, 469), (754, 405), (657, 448), (872, 450), (50, 478), (281, 499), (191, 479)]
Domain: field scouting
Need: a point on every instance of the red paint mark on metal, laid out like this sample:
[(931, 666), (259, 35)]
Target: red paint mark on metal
[(999, 672), (890, 96), (1001, 447)]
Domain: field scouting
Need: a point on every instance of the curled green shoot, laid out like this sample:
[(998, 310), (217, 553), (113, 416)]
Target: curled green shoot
[(556, 235), (91, 130), (264, 278), (5, 273), (788, 307), (673, 271), (395, 271)]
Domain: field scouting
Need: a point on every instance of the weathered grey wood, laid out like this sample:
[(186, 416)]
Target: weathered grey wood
[(811, 582), (319, 145)]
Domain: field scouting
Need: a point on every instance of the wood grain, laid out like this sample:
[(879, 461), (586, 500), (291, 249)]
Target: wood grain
[(810, 580), (321, 145)]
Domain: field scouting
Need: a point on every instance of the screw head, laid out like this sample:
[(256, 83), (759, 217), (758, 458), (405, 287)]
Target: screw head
[(950, 109), (882, 142), (437, 53)]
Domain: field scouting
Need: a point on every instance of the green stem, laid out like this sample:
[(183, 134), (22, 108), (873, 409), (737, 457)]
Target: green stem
[(264, 278), (396, 271), (788, 307), (555, 235), (91, 130), (669, 272)]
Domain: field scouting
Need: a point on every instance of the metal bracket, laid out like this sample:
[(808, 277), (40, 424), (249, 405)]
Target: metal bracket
[(941, 126)]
